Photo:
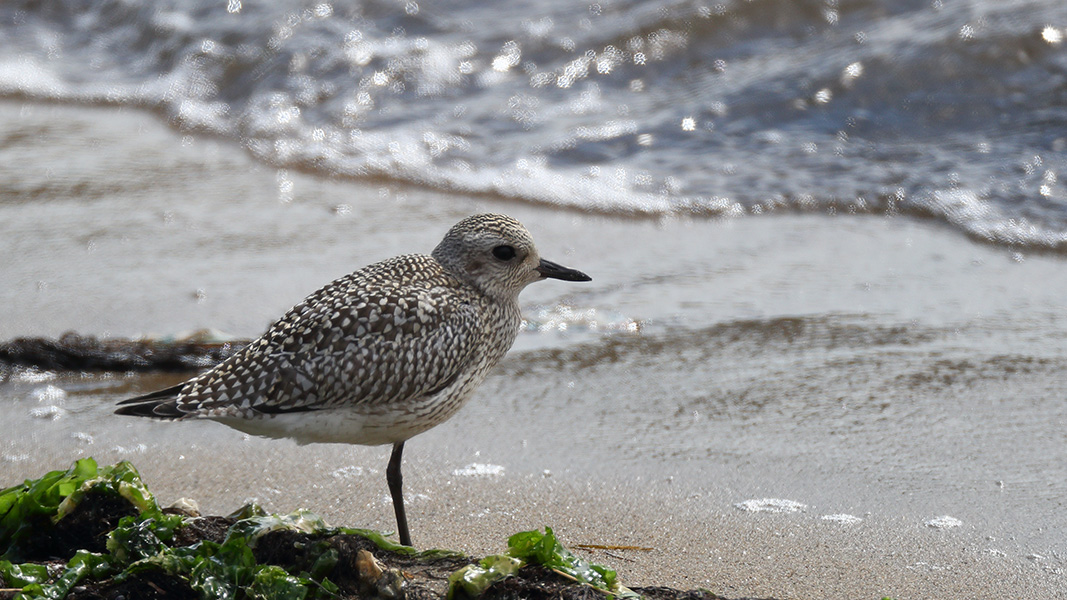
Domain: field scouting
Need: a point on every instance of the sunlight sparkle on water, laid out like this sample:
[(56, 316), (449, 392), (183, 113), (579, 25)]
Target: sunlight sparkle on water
[(851, 73), (561, 318), (509, 56), (1052, 35)]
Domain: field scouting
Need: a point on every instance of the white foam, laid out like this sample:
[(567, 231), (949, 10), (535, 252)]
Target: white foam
[(943, 522), (50, 412), (347, 472), (33, 375), (137, 449), (479, 470), (772, 505), (83, 437), (48, 393), (843, 519)]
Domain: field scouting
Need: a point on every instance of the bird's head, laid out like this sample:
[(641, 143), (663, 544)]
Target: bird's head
[(496, 255)]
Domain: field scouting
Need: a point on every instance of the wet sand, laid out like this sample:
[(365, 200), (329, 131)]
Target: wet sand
[(873, 367)]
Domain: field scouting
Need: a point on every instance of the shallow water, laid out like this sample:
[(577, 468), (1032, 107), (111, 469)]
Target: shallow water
[(950, 111)]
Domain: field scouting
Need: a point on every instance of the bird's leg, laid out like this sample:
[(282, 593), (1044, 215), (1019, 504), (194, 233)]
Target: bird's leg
[(396, 489)]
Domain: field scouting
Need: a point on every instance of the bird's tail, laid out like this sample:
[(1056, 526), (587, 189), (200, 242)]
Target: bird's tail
[(161, 404)]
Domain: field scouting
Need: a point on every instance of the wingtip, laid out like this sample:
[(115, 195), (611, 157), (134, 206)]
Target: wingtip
[(156, 410), (160, 404), (136, 410)]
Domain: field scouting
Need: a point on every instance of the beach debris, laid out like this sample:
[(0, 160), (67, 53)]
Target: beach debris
[(185, 506), (612, 547), (377, 580), (71, 351)]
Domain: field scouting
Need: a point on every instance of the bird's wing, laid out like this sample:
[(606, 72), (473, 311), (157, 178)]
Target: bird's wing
[(355, 344)]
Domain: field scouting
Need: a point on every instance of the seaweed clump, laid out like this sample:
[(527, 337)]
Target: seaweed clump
[(73, 351), (93, 532)]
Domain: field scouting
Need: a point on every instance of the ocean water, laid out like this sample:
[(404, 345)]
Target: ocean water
[(943, 110)]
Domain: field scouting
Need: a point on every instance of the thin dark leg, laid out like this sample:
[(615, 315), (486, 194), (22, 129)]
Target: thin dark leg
[(396, 488)]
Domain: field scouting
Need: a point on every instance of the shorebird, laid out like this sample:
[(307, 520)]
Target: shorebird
[(379, 355)]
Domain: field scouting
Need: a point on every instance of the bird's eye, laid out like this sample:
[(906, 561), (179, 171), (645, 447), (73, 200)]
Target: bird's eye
[(504, 253)]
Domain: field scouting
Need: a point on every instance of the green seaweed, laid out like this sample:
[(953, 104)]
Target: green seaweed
[(229, 570), (275, 582), (23, 506), (544, 549), (141, 543), (472, 580), (24, 574), (27, 510), (534, 547), (254, 522), (84, 565), (215, 570), (250, 529)]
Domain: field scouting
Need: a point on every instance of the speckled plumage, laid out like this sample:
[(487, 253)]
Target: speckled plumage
[(399, 344), (379, 355)]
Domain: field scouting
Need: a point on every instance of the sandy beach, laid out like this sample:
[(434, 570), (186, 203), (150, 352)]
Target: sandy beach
[(899, 385)]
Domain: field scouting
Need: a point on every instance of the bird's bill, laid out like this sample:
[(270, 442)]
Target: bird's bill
[(551, 270)]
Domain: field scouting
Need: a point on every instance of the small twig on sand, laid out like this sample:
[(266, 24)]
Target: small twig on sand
[(609, 547)]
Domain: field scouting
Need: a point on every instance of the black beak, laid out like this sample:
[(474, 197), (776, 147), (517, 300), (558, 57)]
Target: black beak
[(551, 270)]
